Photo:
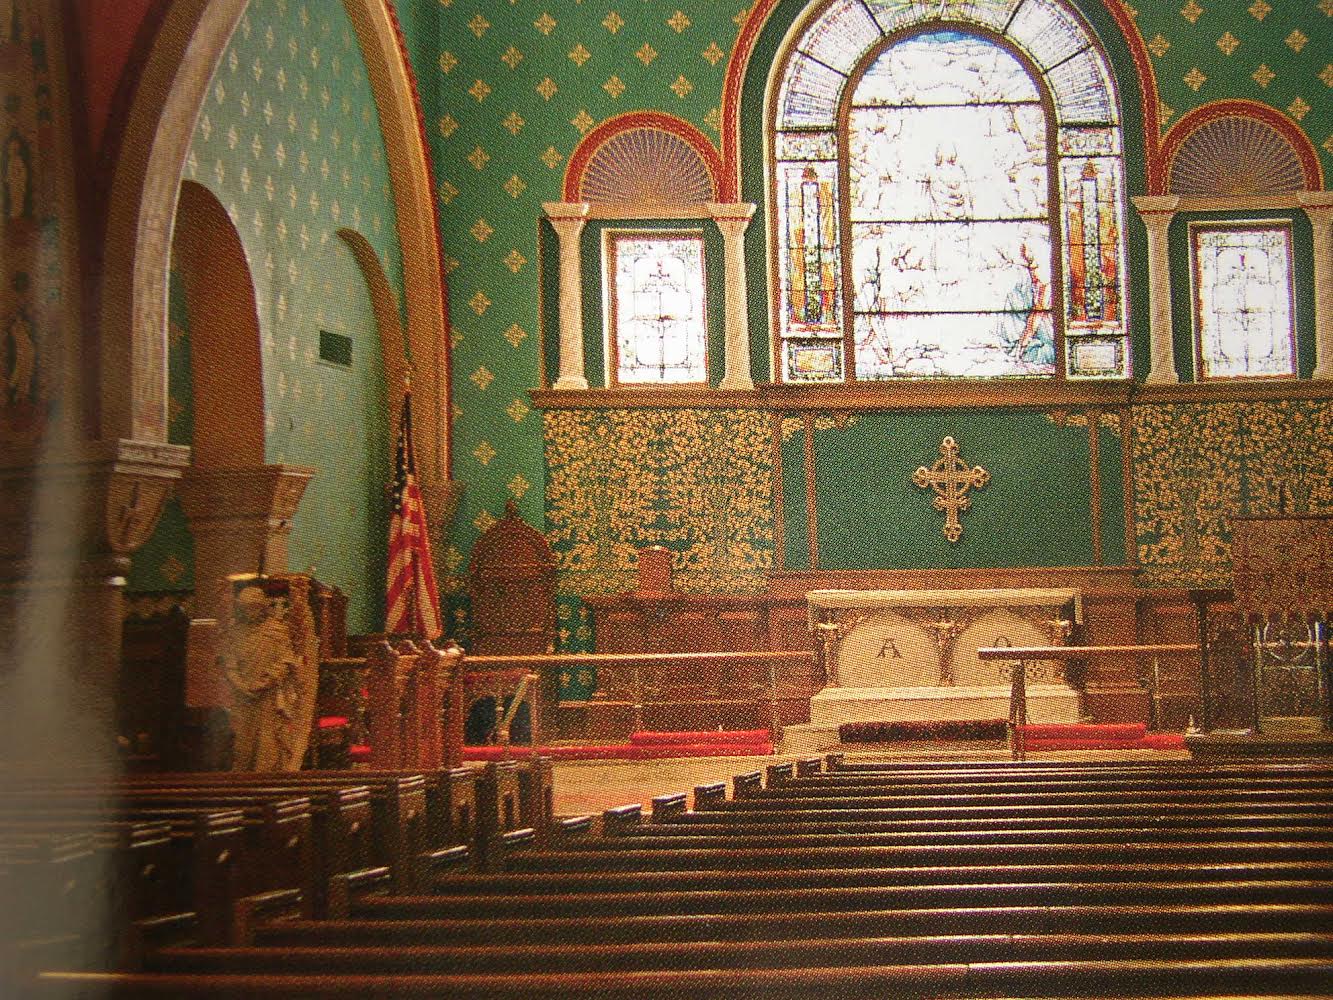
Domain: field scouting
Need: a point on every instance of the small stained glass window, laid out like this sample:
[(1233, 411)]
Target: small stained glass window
[(1243, 301), (656, 309)]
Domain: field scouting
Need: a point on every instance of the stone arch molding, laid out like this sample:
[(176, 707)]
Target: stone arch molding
[(159, 126)]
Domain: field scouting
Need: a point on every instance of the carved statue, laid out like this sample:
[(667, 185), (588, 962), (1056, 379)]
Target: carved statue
[(20, 360), (272, 671)]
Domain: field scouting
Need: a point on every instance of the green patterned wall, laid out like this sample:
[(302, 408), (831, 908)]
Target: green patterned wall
[(1278, 52), (1197, 465), (289, 141), (699, 482), (517, 84)]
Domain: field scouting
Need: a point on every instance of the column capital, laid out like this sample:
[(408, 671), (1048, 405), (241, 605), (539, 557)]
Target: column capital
[(87, 500), (244, 492), (731, 211), (1318, 205), (1156, 210), (567, 211)]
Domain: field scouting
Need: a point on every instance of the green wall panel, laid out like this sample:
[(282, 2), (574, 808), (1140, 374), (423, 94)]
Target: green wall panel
[(795, 510), (1035, 511), (1111, 449), (699, 482), (1199, 464)]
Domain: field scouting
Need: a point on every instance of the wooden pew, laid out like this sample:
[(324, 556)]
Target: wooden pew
[(1062, 882), (205, 871), (1117, 977)]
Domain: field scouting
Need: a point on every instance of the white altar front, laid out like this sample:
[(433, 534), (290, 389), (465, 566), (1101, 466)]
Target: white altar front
[(895, 655)]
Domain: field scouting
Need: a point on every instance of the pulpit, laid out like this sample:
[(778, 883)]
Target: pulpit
[(891, 655)]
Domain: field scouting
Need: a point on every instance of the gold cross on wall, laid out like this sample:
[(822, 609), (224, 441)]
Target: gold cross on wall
[(951, 478)]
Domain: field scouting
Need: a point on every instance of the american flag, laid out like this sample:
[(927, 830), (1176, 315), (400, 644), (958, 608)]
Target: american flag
[(413, 602)]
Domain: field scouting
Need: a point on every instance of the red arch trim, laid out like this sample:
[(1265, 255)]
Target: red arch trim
[(729, 184), (1151, 100), (594, 140), (1240, 108)]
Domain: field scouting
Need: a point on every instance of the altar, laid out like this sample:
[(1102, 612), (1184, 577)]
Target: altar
[(898, 655)]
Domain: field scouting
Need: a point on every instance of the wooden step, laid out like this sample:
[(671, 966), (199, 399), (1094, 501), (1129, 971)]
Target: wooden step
[(1126, 978)]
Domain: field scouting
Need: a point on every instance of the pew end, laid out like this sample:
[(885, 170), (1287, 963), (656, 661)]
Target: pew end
[(809, 767), (275, 905), (707, 795), (746, 785), (621, 819), (668, 807)]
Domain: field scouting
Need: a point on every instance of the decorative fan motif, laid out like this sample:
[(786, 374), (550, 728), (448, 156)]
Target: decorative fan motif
[(1236, 155), (646, 166)]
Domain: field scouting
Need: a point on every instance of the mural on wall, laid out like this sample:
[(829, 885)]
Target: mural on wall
[(37, 227), (1197, 465), (696, 481), (289, 141), (517, 85)]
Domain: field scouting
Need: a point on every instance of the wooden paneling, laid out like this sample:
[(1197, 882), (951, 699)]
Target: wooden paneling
[(1114, 613)]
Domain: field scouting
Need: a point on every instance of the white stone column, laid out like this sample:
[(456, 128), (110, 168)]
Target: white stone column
[(568, 219), (1157, 212), (732, 219), (1318, 206)]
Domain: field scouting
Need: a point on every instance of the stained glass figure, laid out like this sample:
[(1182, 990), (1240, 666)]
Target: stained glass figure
[(1243, 295), (657, 308), (933, 145), (951, 247), (1092, 241)]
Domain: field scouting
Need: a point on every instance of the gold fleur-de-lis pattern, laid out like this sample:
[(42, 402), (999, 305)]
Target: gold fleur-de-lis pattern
[(518, 84), (288, 140), (697, 481), (1198, 465), (1266, 50)]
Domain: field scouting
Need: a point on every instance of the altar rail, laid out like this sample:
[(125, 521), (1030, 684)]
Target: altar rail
[(1018, 709), (670, 690)]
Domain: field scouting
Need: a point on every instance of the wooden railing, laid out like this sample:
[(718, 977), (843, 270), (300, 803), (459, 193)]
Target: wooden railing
[(1018, 709), (408, 701), (640, 681)]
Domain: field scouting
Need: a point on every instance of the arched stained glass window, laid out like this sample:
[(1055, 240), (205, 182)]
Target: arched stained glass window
[(947, 194)]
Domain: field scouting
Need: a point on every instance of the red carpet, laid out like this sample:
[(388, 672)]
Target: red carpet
[(646, 746), (1104, 736)]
